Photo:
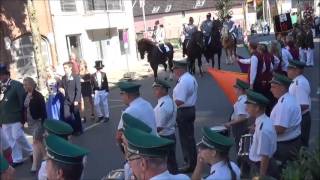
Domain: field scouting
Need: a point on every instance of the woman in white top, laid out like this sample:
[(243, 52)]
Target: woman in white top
[(213, 150)]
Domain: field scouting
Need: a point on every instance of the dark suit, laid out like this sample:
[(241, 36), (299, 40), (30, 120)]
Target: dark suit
[(72, 90), (104, 82)]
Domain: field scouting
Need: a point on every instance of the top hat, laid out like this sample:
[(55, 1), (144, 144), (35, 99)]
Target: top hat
[(98, 64)]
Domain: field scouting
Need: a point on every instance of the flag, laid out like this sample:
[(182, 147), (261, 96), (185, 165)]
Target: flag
[(226, 80)]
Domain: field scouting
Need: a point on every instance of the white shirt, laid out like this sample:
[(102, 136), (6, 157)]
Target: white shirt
[(287, 113), (253, 61), (264, 139), (142, 110), (167, 176), (186, 90), (221, 171), (239, 107), (4, 144), (160, 35), (286, 56), (165, 114), (277, 62), (300, 89), (99, 78), (42, 174)]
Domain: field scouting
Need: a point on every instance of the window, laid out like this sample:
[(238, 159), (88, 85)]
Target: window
[(23, 55), (114, 4), (95, 5), (155, 9), (68, 5), (74, 45), (168, 8), (199, 3)]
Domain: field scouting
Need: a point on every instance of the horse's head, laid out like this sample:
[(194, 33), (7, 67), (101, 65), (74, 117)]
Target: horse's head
[(198, 39), (144, 45)]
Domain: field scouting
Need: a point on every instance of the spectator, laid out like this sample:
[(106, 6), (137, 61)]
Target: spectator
[(86, 91), (55, 98), (35, 114)]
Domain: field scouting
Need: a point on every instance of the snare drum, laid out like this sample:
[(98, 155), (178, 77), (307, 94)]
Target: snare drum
[(220, 129), (117, 174), (245, 144)]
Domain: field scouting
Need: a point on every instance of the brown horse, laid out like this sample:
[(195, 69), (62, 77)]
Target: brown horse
[(155, 56), (229, 44)]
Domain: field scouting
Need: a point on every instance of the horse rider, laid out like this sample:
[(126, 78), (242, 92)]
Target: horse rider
[(188, 30), (206, 29), (159, 36), (231, 27)]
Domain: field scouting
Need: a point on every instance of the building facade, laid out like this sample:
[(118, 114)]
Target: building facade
[(94, 30)]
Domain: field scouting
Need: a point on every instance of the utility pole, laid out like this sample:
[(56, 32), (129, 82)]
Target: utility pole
[(142, 5)]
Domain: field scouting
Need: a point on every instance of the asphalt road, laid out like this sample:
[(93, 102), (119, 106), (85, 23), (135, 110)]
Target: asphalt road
[(213, 109)]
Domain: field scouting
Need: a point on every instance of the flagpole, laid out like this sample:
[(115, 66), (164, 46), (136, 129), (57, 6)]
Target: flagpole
[(142, 5)]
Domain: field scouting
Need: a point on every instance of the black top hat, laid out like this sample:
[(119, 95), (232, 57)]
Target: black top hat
[(3, 69), (98, 64)]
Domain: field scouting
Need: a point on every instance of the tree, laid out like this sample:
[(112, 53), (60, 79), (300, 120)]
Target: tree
[(36, 39), (224, 9)]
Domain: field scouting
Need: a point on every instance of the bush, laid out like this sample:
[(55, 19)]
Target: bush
[(306, 167)]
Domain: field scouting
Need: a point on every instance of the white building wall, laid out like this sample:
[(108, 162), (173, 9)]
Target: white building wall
[(82, 22)]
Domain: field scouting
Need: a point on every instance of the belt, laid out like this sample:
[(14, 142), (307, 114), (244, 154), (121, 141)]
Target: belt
[(186, 108), (290, 141)]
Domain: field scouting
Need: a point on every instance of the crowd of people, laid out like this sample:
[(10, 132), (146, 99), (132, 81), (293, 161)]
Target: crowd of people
[(273, 108)]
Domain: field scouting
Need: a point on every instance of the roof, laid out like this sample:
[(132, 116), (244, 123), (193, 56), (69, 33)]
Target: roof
[(171, 6)]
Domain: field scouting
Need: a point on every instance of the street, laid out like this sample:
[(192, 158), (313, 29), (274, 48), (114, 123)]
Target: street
[(212, 107)]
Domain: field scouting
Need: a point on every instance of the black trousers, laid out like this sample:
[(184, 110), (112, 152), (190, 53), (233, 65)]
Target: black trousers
[(237, 131), (272, 171), (288, 150), (305, 129), (185, 120), (172, 161), (71, 116), (184, 46)]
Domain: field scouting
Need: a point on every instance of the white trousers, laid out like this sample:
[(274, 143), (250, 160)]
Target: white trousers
[(101, 103), (17, 140), (303, 55), (310, 56)]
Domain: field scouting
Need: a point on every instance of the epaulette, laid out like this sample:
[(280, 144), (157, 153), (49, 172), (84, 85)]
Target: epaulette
[(282, 100), (161, 104), (261, 126)]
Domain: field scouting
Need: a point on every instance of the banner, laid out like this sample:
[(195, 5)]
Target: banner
[(226, 80)]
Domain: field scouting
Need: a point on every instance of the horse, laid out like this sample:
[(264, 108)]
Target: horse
[(229, 44), (155, 55), (214, 47), (194, 51)]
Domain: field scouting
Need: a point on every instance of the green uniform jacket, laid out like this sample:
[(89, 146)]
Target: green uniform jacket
[(11, 106)]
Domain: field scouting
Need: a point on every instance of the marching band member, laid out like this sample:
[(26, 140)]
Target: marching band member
[(213, 150), (264, 142), (286, 116), (300, 89)]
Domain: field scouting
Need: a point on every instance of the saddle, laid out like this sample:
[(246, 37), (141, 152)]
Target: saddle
[(164, 48)]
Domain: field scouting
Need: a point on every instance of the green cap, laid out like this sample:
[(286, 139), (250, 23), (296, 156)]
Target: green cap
[(128, 86), (256, 98), (161, 83), (180, 64), (58, 127), (61, 150), (241, 84), (296, 64), (146, 144), (215, 140), (3, 164), (281, 79), (132, 122)]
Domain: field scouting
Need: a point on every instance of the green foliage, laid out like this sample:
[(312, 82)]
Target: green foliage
[(224, 8), (306, 167), (175, 42)]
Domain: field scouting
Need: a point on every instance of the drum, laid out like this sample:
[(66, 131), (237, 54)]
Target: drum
[(220, 129), (245, 144), (117, 174)]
